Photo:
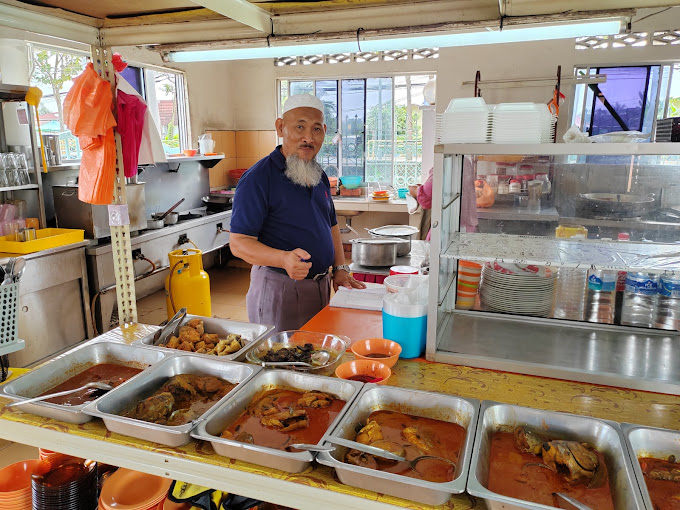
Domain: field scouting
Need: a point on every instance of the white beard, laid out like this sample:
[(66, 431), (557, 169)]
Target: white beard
[(303, 173)]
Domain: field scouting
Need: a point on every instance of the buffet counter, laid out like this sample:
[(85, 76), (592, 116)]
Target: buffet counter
[(198, 463)]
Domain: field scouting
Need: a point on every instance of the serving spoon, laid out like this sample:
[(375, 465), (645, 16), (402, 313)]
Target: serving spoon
[(95, 385), (311, 447), (385, 454), (576, 504)]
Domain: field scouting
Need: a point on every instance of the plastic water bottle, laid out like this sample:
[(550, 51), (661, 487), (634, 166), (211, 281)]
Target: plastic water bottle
[(668, 306), (570, 293), (639, 300), (601, 296)]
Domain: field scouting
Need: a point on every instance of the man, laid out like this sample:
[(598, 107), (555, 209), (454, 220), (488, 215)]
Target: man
[(284, 224)]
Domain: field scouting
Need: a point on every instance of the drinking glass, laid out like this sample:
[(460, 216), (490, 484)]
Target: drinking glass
[(3, 170), (11, 170), (22, 168)]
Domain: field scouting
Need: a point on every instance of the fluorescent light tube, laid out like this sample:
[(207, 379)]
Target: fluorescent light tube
[(509, 34)]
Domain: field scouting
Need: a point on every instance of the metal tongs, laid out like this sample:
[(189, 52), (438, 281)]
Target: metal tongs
[(171, 328)]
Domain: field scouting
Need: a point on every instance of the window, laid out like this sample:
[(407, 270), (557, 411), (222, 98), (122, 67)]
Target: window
[(52, 70), (631, 99), (374, 125)]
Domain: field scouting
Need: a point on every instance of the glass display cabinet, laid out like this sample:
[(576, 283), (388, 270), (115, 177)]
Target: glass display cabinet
[(558, 260)]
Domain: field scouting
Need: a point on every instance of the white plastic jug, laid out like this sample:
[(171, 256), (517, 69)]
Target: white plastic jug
[(206, 144)]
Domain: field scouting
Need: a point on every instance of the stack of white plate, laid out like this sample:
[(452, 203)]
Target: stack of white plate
[(466, 120), (517, 289), (522, 123)]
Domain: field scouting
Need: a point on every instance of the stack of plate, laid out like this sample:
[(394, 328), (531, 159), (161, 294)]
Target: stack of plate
[(64, 483), (522, 123), (466, 120), (133, 490), (15, 485), (517, 289), (382, 195)]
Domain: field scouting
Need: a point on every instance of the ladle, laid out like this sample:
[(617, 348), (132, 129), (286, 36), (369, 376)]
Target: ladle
[(319, 358), (19, 267), (95, 385), (385, 454), (576, 504)]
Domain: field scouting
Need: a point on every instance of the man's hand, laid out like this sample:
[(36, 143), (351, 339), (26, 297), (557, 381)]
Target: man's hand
[(293, 263), (344, 279)]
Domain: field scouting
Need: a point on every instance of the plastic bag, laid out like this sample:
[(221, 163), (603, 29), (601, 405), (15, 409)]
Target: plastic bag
[(484, 193), (131, 111), (97, 169)]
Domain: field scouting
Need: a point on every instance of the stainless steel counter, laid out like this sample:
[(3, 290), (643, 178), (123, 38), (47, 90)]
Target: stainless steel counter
[(419, 252)]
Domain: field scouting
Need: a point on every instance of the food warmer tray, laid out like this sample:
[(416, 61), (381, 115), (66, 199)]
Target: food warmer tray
[(605, 435), (253, 333), (69, 364), (228, 412), (120, 399), (650, 442), (438, 406)]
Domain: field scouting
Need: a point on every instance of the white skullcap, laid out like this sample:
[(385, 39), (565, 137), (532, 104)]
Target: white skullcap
[(303, 101)]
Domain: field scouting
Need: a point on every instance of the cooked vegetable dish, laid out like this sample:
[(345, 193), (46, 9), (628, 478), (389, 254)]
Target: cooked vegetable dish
[(410, 437), (281, 417), (181, 399), (663, 482), (108, 373), (525, 465), (193, 338), (295, 353)]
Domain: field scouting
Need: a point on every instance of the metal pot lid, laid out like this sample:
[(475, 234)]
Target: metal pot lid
[(395, 230), (378, 240)]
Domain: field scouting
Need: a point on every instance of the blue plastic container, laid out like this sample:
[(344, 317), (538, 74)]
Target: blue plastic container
[(402, 192), (351, 181), (409, 332)]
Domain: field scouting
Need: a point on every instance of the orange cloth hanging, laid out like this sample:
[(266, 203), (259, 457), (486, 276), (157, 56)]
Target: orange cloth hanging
[(87, 111)]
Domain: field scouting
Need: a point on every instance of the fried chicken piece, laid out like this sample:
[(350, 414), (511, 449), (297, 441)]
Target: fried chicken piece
[(370, 433), (575, 460), (361, 459), (186, 346), (208, 384), (173, 343), (265, 405), (225, 347), (210, 337), (187, 334), (527, 441), (286, 420), (197, 324), (202, 351), (417, 438), (199, 345), (315, 399), (180, 385), (154, 408)]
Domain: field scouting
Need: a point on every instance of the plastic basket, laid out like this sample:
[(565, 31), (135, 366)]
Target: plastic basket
[(9, 306)]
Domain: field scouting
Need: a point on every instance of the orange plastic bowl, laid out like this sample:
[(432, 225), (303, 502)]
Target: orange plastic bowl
[(189, 152), (381, 346), (17, 477), (360, 368)]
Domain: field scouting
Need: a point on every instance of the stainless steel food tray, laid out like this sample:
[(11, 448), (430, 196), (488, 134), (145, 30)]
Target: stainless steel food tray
[(649, 442), (109, 407), (252, 333), (438, 406), (604, 435), (229, 411), (69, 364)]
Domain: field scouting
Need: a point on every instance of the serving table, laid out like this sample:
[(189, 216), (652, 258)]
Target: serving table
[(198, 463)]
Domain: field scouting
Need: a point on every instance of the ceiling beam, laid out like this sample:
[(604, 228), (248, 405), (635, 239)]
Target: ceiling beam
[(241, 11)]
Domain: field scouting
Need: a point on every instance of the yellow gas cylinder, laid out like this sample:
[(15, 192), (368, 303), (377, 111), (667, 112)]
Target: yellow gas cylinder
[(187, 285)]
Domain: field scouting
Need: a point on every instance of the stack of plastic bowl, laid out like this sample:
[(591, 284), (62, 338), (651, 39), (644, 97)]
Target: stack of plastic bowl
[(469, 276), (47, 454), (15, 485), (64, 483), (133, 490), (466, 120), (522, 123)]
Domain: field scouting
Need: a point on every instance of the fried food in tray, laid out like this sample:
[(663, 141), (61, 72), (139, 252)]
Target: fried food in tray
[(193, 338), (526, 465), (280, 417), (662, 478), (182, 399)]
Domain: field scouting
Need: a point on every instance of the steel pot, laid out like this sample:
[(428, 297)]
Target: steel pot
[(154, 224), (615, 205), (171, 218), (376, 251), (404, 232)]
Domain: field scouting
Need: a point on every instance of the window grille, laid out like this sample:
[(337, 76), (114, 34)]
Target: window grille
[(632, 40), (363, 56)]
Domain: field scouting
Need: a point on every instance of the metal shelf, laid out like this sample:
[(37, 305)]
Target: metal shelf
[(559, 252), (18, 188), (563, 149), (12, 92)]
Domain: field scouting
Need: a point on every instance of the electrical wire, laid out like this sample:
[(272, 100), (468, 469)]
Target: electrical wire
[(172, 271)]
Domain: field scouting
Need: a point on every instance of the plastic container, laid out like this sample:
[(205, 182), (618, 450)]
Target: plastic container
[(570, 293), (545, 183), (46, 238), (563, 231), (601, 296), (640, 300), (515, 186), (668, 305), (351, 181), (406, 325), (403, 270), (492, 180), (503, 184)]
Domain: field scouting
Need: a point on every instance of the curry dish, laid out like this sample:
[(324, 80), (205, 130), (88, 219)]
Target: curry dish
[(410, 437), (108, 373), (662, 478), (280, 417), (526, 466), (193, 338), (182, 399)]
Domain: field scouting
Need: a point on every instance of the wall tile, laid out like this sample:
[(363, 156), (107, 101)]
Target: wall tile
[(266, 142), (246, 144), (246, 162), (229, 140)]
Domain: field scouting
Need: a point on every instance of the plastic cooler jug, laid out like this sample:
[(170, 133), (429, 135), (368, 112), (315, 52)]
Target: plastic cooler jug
[(406, 324)]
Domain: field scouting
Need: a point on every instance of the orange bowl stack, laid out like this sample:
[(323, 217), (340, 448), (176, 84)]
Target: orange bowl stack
[(381, 195), (469, 276), (132, 490), (15, 485)]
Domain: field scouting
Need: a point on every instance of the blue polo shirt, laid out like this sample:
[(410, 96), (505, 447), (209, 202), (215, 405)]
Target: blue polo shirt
[(284, 215)]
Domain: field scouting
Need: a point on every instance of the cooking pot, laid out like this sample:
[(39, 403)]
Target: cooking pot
[(376, 251), (615, 205), (217, 203), (154, 224), (171, 218), (405, 232)]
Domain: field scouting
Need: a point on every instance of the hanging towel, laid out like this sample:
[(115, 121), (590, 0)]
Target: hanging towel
[(131, 111), (87, 112), (151, 150)]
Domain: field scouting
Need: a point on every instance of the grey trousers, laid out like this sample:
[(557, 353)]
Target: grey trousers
[(277, 299)]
